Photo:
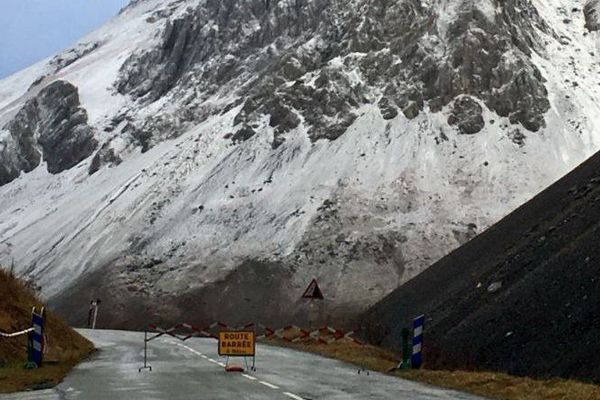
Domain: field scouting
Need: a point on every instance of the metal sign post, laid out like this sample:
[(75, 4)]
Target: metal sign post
[(313, 292), (146, 366), (93, 313)]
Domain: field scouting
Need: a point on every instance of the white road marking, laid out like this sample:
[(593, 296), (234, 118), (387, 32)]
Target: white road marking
[(249, 377), (267, 384), (293, 396), (191, 350)]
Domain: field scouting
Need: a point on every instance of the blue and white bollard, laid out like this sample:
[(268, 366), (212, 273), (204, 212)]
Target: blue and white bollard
[(417, 353), (36, 339)]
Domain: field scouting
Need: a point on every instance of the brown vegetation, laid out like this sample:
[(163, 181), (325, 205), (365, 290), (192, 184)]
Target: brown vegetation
[(65, 347), (491, 385)]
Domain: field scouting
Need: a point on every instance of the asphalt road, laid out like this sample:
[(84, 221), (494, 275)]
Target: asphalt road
[(193, 370)]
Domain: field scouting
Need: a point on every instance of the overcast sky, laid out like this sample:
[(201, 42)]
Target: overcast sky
[(31, 30)]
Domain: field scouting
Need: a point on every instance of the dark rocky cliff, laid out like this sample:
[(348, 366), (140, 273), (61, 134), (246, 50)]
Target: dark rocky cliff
[(254, 48), (51, 126)]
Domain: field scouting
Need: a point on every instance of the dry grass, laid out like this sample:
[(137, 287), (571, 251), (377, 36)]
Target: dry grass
[(506, 387), (65, 347), (16, 378), (370, 357), (487, 384)]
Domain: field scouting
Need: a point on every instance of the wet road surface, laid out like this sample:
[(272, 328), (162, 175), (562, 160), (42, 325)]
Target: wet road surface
[(193, 370)]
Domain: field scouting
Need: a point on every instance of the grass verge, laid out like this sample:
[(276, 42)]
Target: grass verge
[(64, 347), (491, 385), (14, 378)]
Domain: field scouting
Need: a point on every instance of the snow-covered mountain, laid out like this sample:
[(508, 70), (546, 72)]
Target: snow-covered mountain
[(215, 155)]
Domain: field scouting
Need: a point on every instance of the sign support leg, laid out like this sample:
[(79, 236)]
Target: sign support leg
[(146, 366)]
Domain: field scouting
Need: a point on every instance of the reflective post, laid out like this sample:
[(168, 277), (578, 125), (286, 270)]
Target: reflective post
[(417, 353)]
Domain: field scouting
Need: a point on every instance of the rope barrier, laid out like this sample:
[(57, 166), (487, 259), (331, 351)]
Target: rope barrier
[(10, 335)]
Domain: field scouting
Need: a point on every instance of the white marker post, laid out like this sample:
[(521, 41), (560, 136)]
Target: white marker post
[(95, 312)]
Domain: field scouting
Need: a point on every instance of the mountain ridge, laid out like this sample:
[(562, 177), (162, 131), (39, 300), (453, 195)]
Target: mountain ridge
[(356, 144)]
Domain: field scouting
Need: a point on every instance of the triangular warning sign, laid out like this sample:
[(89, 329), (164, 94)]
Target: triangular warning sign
[(313, 291)]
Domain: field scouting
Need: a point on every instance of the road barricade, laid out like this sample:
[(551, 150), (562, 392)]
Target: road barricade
[(295, 334), (218, 331), (181, 332)]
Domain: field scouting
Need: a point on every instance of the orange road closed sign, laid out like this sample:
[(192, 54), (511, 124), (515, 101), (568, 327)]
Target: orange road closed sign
[(237, 343)]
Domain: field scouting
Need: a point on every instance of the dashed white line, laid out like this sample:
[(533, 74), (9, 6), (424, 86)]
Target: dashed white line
[(267, 384), (249, 377), (293, 396), (190, 349)]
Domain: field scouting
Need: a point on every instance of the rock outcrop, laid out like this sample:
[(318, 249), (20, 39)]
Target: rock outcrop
[(403, 49), (592, 15), (466, 114), (51, 124)]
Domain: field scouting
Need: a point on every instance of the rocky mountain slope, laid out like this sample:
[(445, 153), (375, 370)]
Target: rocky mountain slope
[(223, 153), (523, 297)]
